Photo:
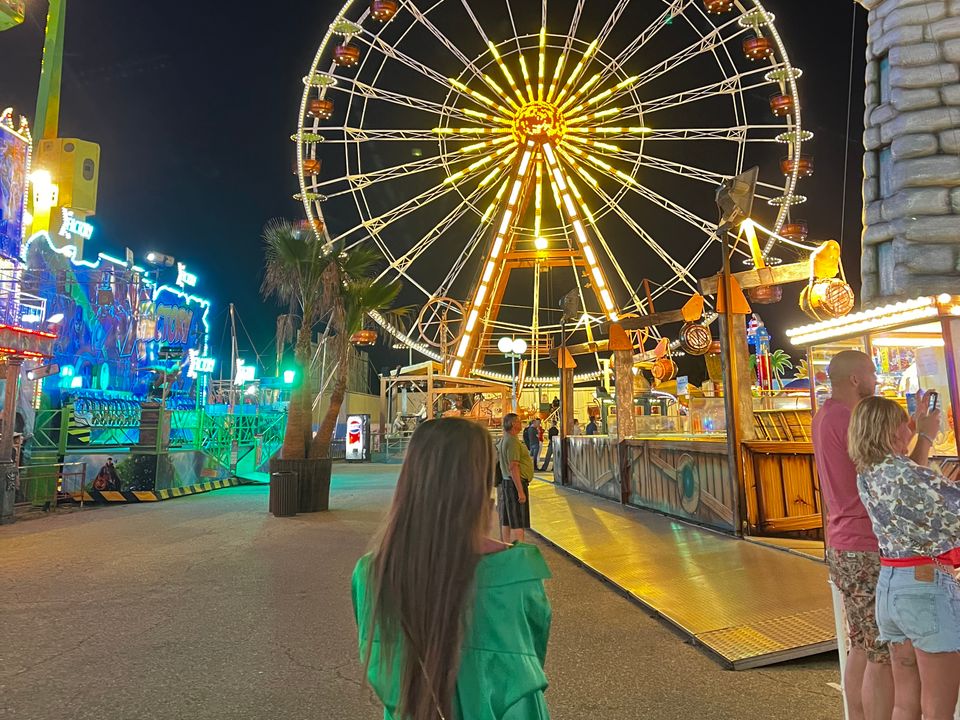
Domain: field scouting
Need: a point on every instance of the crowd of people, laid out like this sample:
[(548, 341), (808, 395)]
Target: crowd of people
[(892, 537)]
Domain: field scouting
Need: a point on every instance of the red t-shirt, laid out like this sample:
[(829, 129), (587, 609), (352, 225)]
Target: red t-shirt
[(848, 525)]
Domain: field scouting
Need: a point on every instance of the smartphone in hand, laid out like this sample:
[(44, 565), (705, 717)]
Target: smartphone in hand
[(933, 401)]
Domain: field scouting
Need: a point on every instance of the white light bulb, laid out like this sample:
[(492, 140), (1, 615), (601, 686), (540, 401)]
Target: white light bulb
[(519, 346), (505, 345)]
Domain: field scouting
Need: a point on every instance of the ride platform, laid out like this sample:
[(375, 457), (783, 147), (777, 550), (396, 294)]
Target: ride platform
[(746, 604)]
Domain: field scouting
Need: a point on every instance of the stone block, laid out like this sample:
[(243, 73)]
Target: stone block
[(880, 115), (945, 29), (881, 232), (914, 55), (951, 50), (942, 229), (924, 259), (911, 202), (942, 170), (920, 99), (950, 141), (955, 201), (869, 286), (868, 260), (920, 14), (932, 120), (873, 213), (903, 35), (914, 146), (914, 284), (950, 94), (935, 75), (871, 138), (870, 165), (871, 95)]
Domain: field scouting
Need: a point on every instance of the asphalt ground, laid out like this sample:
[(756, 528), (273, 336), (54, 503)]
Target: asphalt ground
[(208, 607)]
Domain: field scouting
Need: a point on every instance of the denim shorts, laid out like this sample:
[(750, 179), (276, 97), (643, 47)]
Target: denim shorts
[(926, 613)]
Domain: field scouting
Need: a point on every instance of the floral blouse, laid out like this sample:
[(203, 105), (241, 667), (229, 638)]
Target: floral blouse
[(914, 510)]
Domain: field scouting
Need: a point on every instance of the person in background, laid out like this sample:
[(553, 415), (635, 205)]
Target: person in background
[(852, 553), (915, 514), (551, 434), (576, 427), (451, 624), (531, 438), (516, 464), (592, 426)]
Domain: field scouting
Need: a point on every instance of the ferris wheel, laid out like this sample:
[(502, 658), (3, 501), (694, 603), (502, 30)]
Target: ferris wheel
[(501, 154)]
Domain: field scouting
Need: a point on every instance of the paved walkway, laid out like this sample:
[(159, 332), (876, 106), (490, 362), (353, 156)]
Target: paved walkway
[(206, 607), (749, 604)]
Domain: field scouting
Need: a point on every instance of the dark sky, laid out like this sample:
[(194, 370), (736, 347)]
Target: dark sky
[(193, 105)]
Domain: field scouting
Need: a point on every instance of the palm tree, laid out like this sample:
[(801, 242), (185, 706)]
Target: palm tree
[(323, 283), (293, 275), (351, 294)]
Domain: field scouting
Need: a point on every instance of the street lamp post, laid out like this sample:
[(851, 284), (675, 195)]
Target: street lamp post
[(513, 348)]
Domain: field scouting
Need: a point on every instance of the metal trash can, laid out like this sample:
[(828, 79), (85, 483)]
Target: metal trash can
[(284, 494)]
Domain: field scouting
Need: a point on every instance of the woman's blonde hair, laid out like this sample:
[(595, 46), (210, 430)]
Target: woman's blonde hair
[(873, 431)]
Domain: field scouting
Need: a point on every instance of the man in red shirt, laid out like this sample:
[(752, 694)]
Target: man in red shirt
[(852, 553)]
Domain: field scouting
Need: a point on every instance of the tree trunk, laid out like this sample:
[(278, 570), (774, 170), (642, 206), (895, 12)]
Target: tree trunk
[(296, 438), (320, 447)]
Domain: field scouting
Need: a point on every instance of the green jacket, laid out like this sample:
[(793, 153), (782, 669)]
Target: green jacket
[(504, 648)]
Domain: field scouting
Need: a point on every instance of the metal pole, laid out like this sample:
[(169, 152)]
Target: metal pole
[(513, 380), (233, 359), (8, 467), (47, 120)]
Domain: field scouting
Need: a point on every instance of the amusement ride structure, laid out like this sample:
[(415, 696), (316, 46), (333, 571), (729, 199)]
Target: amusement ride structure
[(498, 154)]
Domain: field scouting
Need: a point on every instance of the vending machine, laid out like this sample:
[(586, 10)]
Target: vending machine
[(358, 438)]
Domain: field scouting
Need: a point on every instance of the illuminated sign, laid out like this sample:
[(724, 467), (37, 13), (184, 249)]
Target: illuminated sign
[(185, 278), (200, 365), (245, 373), (73, 226)]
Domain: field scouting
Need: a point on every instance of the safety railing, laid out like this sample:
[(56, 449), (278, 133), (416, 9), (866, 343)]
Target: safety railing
[(43, 486)]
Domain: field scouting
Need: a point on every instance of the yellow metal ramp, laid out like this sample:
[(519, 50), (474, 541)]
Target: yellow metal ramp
[(749, 605)]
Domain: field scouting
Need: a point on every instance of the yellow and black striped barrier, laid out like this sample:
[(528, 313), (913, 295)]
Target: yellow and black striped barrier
[(140, 496)]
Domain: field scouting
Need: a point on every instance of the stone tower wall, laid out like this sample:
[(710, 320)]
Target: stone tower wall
[(911, 190)]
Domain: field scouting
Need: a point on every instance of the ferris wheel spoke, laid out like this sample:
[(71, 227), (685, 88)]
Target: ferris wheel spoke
[(707, 43), (422, 18), (403, 263), (654, 197), (611, 22), (727, 86), (681, 272), (376, 224), (356, 88), (599, 235), (353, 135), (505, 71), (360, 181), (674, 9), (375, 42), (463, 259), (565, 53)]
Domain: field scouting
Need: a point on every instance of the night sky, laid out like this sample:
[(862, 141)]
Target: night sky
[(193, 105)]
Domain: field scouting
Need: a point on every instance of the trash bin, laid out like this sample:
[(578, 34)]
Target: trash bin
[(284, 494)]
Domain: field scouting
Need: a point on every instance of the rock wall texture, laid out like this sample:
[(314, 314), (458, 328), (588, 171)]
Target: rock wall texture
[(911, 188)]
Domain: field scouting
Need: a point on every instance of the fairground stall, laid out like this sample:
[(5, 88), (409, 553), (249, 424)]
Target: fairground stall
[(914, 347)]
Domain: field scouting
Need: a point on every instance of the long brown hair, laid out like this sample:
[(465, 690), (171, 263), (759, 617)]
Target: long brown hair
[(873, 431), (423, 569)]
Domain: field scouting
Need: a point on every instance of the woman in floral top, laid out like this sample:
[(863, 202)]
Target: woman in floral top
[(915, 513)]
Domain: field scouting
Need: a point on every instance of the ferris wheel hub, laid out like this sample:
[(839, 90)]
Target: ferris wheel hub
[(539, 122)]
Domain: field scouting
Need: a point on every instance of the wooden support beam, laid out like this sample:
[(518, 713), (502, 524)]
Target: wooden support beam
[(645, 321), (600, 346), (776, 275)]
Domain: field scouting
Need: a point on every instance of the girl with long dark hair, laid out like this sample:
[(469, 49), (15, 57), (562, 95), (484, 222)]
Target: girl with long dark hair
[(452, 624)]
